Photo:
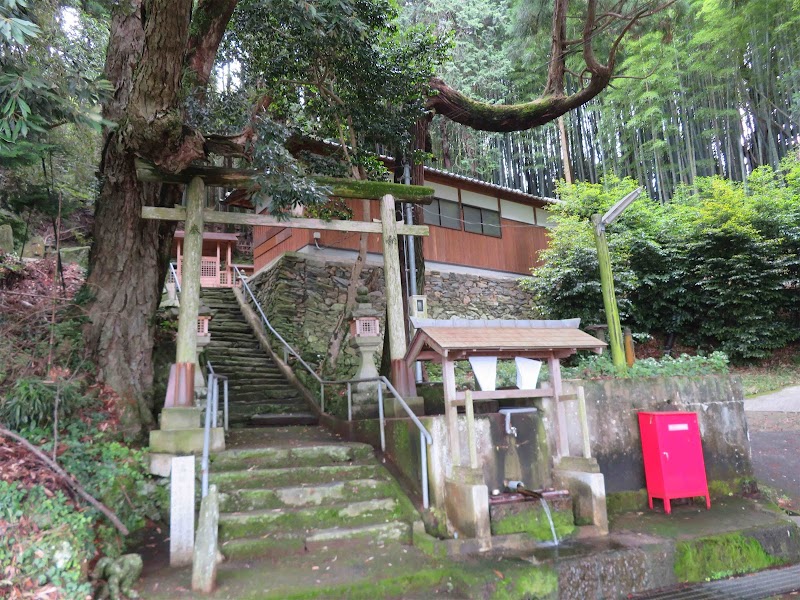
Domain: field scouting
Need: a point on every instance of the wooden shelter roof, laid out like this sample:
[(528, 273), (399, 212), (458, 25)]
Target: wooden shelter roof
[(488, 338)]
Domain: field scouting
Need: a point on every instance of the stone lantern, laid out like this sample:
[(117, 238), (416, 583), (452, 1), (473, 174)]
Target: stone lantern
[(204, 317), (366, 339)]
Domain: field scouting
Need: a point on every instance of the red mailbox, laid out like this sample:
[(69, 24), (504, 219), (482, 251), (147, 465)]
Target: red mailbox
[(673, 457)]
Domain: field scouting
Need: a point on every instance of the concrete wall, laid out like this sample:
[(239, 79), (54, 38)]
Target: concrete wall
[(612, 407), (501, 457)]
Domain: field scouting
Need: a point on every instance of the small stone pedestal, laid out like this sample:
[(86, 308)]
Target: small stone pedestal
[(180, 433), (467, 504), (586, 485)]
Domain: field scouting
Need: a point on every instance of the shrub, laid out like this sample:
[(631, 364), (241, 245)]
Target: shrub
[(719, 266), (31, 403), (596, 366), (45, 542)]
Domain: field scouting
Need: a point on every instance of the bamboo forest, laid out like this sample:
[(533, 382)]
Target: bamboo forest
[(707, 87)]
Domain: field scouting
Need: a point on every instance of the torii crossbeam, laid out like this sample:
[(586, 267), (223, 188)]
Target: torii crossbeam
[(195, 216)]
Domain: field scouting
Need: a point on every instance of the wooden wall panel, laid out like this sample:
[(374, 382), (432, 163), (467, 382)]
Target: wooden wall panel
[(288, 240), (515, 252)]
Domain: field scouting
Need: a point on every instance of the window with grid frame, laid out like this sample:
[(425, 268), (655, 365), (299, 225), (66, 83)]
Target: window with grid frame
[(444, 213), (482, 220)]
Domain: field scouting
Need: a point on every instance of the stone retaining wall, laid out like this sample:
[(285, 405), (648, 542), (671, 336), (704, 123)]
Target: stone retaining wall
[(476, 297), (303, 297)]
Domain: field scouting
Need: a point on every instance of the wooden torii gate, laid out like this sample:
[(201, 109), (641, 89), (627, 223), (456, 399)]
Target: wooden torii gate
[(195, 216)]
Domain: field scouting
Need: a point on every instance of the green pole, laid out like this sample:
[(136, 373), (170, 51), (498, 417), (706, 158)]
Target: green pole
[(609, 298)]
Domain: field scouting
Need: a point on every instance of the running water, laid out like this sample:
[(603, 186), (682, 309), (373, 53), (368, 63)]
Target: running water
[(549, 518)]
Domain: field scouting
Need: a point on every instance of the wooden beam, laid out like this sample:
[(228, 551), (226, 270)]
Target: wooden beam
[(243, 179), (213, 216)]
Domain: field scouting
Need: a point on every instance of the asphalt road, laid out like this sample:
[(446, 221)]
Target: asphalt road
[(774, 423)]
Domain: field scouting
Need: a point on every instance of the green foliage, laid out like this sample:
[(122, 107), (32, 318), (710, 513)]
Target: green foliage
[(117, 475), (594, 366), (717, 266), (332, 70), (31, 403), (335, 208), (45, 541), (45, 78)]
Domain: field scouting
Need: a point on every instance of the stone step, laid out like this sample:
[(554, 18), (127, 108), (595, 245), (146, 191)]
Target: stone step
[(241, 361), (227, 481), (243, 341), (306, 456), (232, 327), (259, 522), (271, 388), (251, 408), (295, 497), (284, 419), (282, 543), (286, 413)]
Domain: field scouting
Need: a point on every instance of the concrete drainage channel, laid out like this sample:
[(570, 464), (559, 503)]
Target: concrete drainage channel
[(766, 584)]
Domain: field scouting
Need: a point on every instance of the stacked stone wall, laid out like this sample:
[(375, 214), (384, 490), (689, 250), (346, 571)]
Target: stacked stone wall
[(304, 297), (476, 297)]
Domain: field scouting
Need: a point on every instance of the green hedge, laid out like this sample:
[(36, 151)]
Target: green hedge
[(719, 266)]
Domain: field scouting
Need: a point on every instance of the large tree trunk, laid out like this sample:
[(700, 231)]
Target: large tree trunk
[(150, 51), (128, 264)]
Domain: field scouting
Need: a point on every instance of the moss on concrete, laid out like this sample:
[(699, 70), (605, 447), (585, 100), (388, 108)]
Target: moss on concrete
[(527, 583), (535, 523), (505, 580), (620, 502), (720, 556)]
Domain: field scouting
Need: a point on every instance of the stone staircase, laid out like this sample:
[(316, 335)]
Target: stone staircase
[(259, 393), (299, 495)]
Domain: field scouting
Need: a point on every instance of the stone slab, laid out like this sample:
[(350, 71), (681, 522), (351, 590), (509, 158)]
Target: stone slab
[(204, 565), (185, 441), (395, 410), (180, 417), (160, 464), (181, 511), (588, 492), (467, 507)]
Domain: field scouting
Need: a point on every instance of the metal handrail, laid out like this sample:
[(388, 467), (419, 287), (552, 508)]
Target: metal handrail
[(424, 436), (211, 420), (175, 278)]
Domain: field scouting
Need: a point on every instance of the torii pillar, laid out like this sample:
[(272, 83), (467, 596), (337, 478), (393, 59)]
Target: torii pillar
[(180, 429), (402, 377)]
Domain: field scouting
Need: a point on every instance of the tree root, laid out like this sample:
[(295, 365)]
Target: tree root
[(67, 479)]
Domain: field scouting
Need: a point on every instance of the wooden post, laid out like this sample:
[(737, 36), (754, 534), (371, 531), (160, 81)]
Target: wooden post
[(450, 409), (395, 327), (584, 419), (554, 366), (630, 354), (190, 288), (471, 438), (609, 297)]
